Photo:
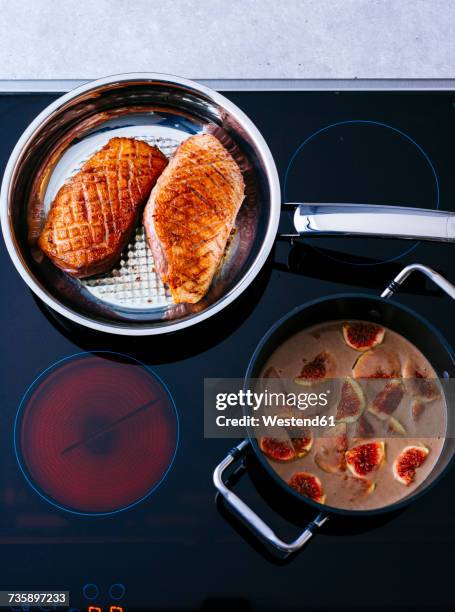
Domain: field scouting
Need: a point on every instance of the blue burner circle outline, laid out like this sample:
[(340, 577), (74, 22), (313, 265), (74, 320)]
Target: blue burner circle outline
[(120, 587), (96, 589), (48, 499), (380, 124)]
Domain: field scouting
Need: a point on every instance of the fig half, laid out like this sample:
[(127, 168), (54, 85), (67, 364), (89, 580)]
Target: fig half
[(322, 366), (377, 363), (417, 409), (271, 372), (364, 428), (407, 462), (297, 445), (307, 485), (388, 400), (278, 449), (419, 384), (394, 426), (330, 452), (359, 488), (362, 336), (352, 402), (301, 441), (364, 459)]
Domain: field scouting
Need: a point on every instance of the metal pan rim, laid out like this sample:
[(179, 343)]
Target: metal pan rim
[(155, 329)]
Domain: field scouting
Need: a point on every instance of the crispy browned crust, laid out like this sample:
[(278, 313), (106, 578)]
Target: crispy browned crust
[(94, 213), (190, 214)]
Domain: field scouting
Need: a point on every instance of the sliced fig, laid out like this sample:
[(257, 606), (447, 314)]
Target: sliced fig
[(407, 462), (321, 367), (388, 400), (271, 372), (352, 402), (308, 485), (359, 487), (300, 438), (364, 428), (302, 441), (394, 426), (377, 363), (293, 444), (417, 409), (330, 451), (278, 449), (362, 336), (419, 384), (364, 459)]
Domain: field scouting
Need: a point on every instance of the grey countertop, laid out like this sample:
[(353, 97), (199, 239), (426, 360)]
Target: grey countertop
[(228, 38)]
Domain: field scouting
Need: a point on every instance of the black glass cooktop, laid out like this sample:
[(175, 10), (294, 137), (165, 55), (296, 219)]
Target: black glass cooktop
[(179, 548)]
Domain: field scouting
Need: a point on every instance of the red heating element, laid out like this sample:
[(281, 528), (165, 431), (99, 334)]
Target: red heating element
[(97, 434)]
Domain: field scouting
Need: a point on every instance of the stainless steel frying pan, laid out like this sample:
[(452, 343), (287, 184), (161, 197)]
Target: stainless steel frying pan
[(163, 110)]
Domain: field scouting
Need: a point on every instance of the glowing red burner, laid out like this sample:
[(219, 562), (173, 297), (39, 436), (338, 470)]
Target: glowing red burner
[(97, 433)]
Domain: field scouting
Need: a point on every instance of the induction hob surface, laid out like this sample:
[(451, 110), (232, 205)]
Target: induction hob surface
[(179, 548)]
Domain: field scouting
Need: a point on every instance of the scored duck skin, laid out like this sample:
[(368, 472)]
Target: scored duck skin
[(95, 212), (190, 214)]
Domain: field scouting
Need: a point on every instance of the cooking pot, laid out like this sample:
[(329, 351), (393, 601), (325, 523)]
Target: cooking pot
[(384, 311), (164, 110)]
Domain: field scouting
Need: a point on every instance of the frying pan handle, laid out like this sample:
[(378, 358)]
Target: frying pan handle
[(373, 220), (434, 276), (251, 518)]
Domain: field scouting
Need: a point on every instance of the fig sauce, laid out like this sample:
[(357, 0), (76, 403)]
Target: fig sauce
[(342, 489)]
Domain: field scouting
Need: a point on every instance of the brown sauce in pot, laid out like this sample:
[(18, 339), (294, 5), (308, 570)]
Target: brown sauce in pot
[(342, 489)]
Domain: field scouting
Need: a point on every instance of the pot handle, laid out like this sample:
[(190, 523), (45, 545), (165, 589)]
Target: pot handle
[(251, 518), (434, 276), (373, 220)]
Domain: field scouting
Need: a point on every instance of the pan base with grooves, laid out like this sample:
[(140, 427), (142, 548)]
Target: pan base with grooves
[(133, 283)]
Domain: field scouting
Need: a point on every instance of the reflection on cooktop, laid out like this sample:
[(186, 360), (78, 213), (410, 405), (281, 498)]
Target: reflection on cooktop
[(283, 512), (362, 161), (321, 263)]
